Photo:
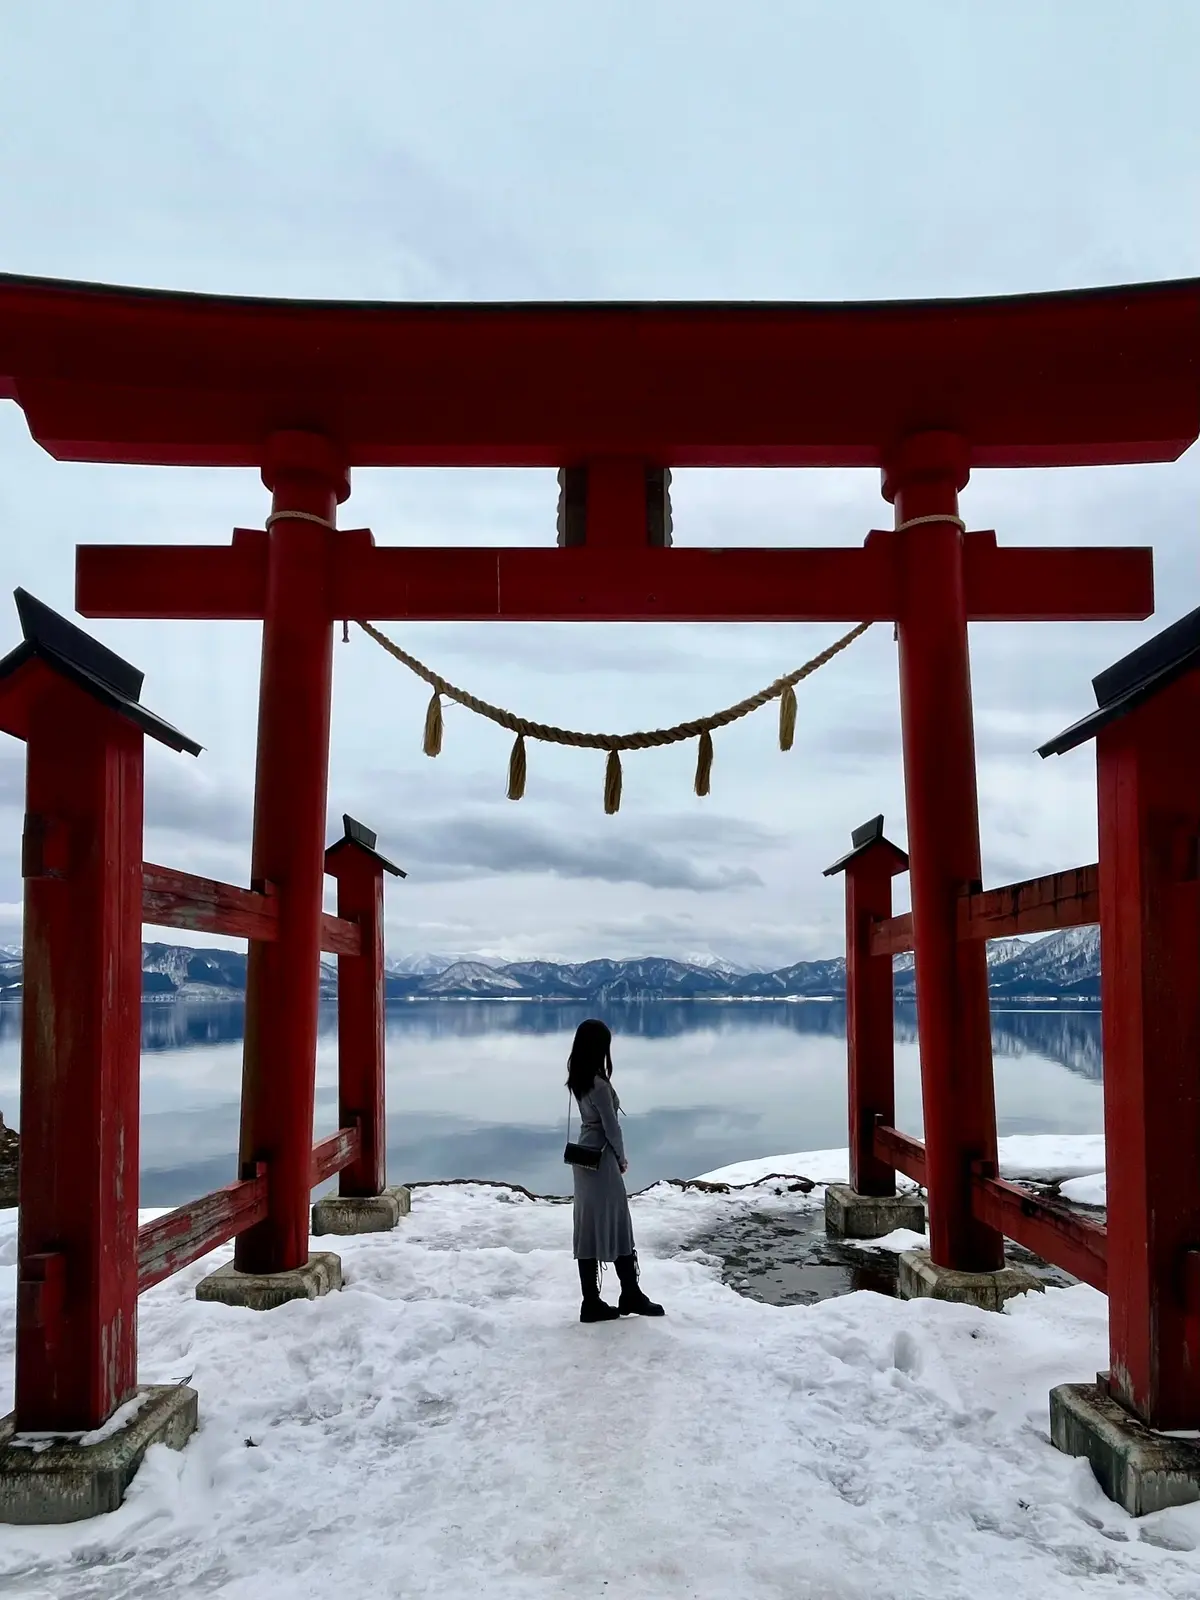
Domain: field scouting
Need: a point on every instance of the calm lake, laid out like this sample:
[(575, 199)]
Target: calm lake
[(476, 1089)]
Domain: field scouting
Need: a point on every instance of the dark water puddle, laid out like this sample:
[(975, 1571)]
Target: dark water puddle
[(786, 1259)]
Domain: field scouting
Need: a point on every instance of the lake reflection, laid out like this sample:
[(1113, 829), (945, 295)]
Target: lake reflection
[(475, 1089)]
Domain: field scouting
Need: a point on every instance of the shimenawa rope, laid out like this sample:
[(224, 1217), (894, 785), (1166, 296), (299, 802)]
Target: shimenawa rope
[(783, 690)]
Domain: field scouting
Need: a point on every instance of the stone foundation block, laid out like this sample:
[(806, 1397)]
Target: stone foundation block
[(921, 1280), (375, 1213), (1140, 1469), (866, 1216), (69, 1477), (263, 1291)]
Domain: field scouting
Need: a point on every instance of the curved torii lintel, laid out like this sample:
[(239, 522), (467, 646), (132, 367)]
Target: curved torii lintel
[(1070, 378)]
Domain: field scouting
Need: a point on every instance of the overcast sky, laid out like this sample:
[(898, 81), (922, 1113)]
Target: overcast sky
[(647, 149)]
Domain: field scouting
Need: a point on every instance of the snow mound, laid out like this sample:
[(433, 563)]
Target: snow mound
[(445, 1427), (1088, 1191), (899, 1240), (1033, 1156)]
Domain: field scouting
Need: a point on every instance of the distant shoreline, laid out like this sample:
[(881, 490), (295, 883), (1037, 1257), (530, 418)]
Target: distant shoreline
[(1008, 1003)]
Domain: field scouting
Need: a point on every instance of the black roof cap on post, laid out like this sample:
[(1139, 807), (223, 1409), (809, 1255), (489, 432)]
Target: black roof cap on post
[(1133, 680), (866, 838), (357, 833), (88, 664)]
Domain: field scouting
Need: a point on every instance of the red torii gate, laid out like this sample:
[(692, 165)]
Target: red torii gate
[(615, 394)]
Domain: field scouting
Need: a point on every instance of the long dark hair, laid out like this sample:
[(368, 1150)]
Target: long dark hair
[(591, 1054)]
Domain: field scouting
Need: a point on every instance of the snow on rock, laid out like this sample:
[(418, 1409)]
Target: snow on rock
[(446, 1427), (1088, 1191), (899, 1240), (822, 1166), (1045, 1156)]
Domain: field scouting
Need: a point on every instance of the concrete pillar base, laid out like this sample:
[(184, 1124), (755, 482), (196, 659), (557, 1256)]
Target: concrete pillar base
[(1140, 1469), (373, 1213), (69, 1477), (921, 1280), (263, 1291), (849, 1215)]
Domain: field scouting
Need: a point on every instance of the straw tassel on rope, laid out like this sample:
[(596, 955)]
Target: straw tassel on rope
[(433, 726), (704, 761), (783, 689), (787, 717), (516, 769), (612, 784)]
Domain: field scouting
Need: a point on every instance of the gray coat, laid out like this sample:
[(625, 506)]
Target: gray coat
[(603, 1227)]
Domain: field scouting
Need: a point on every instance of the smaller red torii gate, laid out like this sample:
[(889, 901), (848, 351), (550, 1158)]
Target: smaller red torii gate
[(1136, 1424)]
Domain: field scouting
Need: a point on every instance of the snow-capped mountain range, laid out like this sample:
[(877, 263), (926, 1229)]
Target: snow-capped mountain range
[(1062, 966)]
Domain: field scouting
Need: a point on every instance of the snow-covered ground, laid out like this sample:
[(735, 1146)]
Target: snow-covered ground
[(445, 1427)]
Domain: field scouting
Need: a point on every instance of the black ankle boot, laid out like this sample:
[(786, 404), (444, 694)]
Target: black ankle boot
[(593, 1308), (633, 1303)]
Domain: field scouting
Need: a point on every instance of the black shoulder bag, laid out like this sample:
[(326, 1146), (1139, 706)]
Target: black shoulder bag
[(580, 1155)]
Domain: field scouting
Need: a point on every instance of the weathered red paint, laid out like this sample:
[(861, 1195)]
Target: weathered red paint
[(1069, 899), (1049, 1228), (901, 1151), (168, 1244), (1148, 769), (892, 936), (282, 995), (923, 479), (172, 1242), (80, 1030), (334, 1154), (870, 1025), (361, 1066), (340, 936), (172, 899), (606, 583)]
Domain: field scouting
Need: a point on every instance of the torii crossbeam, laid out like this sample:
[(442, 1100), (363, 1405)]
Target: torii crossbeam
[(612, 395)]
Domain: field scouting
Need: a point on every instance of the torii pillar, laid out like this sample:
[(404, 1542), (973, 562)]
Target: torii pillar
[(923, 479), (307, 481)]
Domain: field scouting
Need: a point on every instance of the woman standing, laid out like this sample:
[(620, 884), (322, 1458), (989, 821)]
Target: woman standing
[(603, 1226)]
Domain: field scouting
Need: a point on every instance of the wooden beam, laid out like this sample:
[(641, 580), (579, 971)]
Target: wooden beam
[(1047, 1227), (902, 1151), (173, 899), (799, 584), (170, 1243), (340, 936), (1056, 584), (334, 1153), (180, 581), (892, 936), (1068, 899)]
